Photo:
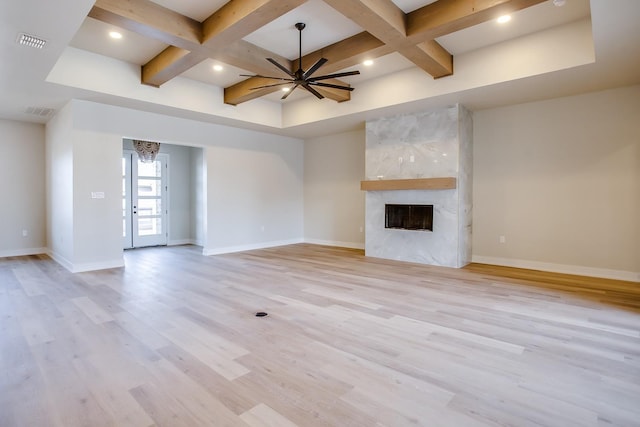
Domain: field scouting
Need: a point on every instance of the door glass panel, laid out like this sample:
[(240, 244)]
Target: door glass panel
[(152, 169), (148, 207), (149, 187), (149, 226)]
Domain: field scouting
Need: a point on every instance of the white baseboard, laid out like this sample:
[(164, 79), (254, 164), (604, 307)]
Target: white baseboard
[(23, 252), (84, 267), (350, 245), (604, 273), (242, 248), (102, 265), (180, 242), (60, 260)]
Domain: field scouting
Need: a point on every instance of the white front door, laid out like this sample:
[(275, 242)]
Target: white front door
[(144, 201)]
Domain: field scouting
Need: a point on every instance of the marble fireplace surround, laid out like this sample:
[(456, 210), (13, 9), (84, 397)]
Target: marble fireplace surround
[(421, 158)]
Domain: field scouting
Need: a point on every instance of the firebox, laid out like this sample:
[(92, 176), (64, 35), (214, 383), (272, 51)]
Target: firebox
[(409, 217)]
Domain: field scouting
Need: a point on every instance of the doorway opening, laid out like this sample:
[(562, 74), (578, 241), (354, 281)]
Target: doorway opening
[(144, 201)]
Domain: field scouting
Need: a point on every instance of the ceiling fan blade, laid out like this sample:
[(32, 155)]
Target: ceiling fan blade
[(264, 77), (332, 86), (274, 62), (334, 76), (289, 93), (312, 90), (319, 63), (273, 85)]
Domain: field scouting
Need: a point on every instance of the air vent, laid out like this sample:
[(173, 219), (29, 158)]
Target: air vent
[(39, 111), (31, 41)]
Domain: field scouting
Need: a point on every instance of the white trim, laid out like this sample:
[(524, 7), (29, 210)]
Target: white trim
[(102, 265), (60, 260), (179, 242), (579, 270), (23, 252), (242, 248), (335, 243), (89, 266)]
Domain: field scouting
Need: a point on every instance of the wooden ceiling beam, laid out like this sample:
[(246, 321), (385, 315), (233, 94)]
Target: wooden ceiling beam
[(243, 92), (233, 21), (190, 41), (447, 16), (151, 20), (348, 53), (388, 30), (168, 64), (387, 22), (239, 18), (247, 56)]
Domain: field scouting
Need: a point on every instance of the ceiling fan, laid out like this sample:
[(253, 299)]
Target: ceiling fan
[(301, 77)]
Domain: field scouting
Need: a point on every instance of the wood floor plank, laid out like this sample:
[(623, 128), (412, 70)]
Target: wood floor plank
[(263, 416), (349, 341)]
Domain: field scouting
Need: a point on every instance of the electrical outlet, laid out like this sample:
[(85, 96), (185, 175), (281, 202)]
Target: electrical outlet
[(25, 233), (502, 239)]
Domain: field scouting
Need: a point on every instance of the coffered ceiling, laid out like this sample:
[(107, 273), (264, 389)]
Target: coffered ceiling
[(425, 52), (242, 33)]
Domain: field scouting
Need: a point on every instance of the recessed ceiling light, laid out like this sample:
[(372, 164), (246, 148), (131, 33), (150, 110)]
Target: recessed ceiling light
[(115, 35), (286, 89), (217, 67), (559, 3), (504, 18), (368, 62)]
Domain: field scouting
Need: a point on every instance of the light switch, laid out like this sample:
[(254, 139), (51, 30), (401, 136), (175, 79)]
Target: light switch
[(97, 194)]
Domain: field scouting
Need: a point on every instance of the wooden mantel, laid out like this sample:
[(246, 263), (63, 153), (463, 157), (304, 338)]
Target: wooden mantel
[(441, 183)]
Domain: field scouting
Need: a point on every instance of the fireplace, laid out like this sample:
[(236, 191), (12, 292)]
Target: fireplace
[(408, 217), (421, 163)]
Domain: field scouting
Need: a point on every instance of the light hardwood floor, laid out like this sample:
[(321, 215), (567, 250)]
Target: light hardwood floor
[(172, 340)]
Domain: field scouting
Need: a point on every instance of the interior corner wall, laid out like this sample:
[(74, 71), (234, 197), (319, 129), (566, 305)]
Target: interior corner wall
[(560, 180), (59, 178), (198, 192), (333, 202), (22, 188)]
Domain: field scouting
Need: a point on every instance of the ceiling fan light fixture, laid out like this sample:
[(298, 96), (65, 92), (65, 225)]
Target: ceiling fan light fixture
[(302, 78)]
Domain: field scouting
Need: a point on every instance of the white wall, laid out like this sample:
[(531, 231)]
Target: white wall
[(254, 194), (333, 202), (560, 179), (22, 188), (253, 187), (97, 223)]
